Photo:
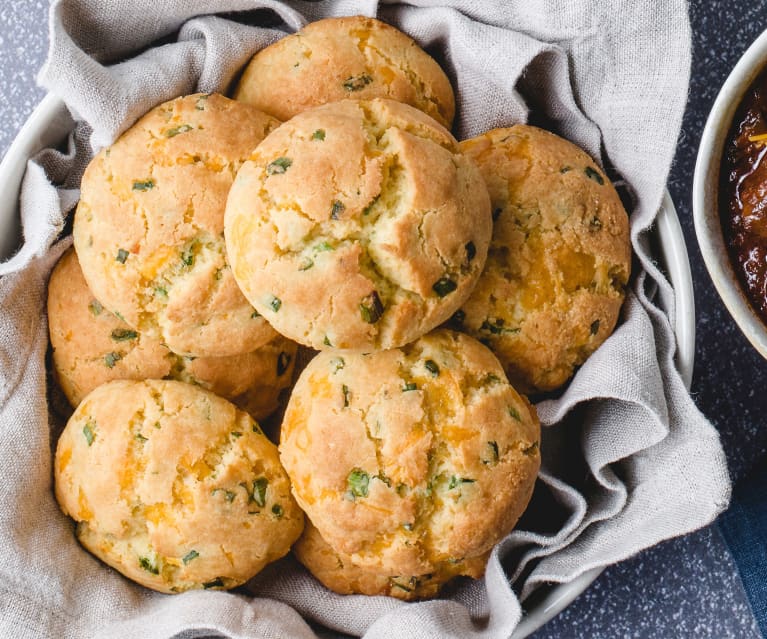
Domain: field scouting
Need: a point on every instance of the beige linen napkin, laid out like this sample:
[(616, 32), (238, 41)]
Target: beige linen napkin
[(627, 458)]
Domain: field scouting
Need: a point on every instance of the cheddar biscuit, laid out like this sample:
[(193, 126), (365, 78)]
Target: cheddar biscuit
[(336, 571), (409, 458), (173, 486), (357, 225), (559, 259), (149, 227), (92, 346), (350, 57)]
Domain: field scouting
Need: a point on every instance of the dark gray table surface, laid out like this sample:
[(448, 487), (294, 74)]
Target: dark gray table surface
[(686, 587)]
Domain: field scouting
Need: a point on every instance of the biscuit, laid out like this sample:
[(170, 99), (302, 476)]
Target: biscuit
[(409, 458), (149, 227), (559, 259), (350, 57), (357, 225), (173, 486), (336, 571), (91, 346)]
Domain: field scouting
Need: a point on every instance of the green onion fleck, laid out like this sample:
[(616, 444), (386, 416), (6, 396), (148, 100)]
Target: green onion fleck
[(259, 491), (306, 264), (255, 315), (110, 359), (432, 367), (172, 133), (278, 166), (326, 341), (345, 391), (95, 307), (283, 361), (355, 83), (592, 174), (89, 433), (338, 363), (277, 510), (144, 185), (531, 450), (275, 303), (192, 554), (319, 134), (322, 247), (457, 481), (409, 386), (236, 434), (513, 412), (493, 456), (187, 256), (565, 169), (357, 482), (216, 583), (336, 210), (471, 251), (594, 327), (122, 255), (371, 308), (148, 565), (140, 438), (444, 286), (161, 291), (200, 104), (123, 335)]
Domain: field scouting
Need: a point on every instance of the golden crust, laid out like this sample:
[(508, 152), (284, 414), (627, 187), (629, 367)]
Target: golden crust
[(357, 225), (91, 346), (336, 571), (149, 227), (173, 486), (350, 57), (559, 259), (408, 458)]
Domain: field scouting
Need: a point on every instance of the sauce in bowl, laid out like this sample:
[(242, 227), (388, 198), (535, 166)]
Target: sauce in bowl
[(743, 194)]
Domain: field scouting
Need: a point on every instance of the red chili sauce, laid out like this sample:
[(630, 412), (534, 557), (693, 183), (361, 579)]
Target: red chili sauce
[(743, 194)]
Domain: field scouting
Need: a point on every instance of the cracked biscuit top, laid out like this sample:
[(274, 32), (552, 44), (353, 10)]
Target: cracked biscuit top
[(173, 486), (351, 57), (92, 346), (409, 458), (559, 259), (149, 227), (357, 225), (336, 571)]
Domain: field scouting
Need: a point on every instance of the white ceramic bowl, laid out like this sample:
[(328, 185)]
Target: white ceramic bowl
[(705, 193), (49, 125)]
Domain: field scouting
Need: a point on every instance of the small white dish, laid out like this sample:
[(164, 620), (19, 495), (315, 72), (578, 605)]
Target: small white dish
[(49, 125), (705, 193)]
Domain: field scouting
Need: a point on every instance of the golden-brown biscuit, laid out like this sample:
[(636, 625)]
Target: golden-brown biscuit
[(336, 571), (92, 346), (351, 57), (149, 227), (559, 259), (173, 486), (357, 225), (408, 458)]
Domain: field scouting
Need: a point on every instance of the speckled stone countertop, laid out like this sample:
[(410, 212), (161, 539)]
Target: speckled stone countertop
[(687, 587)]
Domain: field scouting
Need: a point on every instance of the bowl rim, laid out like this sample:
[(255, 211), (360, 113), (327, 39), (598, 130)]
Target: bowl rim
[(705, 193), (50, 123)]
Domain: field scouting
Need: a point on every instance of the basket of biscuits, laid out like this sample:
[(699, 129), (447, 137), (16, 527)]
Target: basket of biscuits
[(304, 340)]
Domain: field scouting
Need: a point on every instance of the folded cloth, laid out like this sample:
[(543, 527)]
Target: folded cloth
[(744, 528), (627, 458)]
